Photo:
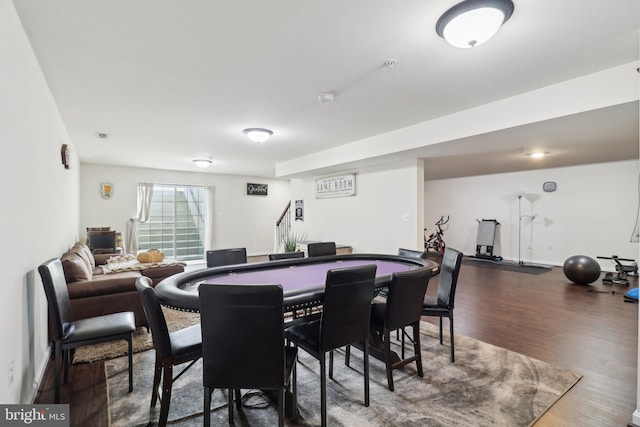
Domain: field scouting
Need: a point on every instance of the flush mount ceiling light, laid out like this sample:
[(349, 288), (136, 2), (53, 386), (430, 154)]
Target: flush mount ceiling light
[(326, 98), (473, 22), (538, 154), (203, 163), (258, 135)]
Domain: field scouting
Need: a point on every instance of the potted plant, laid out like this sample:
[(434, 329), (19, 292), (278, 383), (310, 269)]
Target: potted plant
[(291, 241)]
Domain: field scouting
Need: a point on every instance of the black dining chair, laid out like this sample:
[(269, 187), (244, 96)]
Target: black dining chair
[(442, 304), (411, 253), (172, 348), (251, 353), (401, 308), (69, 335), (286, 255), (222, 257), (344, 320), (321, 249)]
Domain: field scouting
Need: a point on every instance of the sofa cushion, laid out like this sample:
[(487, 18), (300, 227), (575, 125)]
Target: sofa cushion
[(104, 284), (75, 268), (79, 250), (87, 250)]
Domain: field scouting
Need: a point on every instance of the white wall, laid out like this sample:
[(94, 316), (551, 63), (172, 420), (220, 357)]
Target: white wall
[(374, 219), (239, 220), (592, 212), (40, 218)]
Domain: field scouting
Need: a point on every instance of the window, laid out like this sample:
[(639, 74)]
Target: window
[(176, 223)]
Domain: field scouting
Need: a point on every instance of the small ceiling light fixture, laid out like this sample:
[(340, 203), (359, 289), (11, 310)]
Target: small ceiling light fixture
[(473, 22), (203, 163), (326, 98), (258, 135), (537, 154), (102, 135)]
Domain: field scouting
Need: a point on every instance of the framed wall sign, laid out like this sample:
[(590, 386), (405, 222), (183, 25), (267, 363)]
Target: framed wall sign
[(299, 210), (257, 189), (336, 186), (106, 189)]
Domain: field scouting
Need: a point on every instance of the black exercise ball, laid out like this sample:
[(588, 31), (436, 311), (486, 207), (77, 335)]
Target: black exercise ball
[(581, 269)]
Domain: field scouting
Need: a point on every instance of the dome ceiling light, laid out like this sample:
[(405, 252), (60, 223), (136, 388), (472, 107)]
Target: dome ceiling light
[(258, 135), (203, 163), (473, 22)]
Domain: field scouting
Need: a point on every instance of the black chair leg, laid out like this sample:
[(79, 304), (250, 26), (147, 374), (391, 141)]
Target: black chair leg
[(165, 398), (331, 364), (281, 407), (207, 407), (238, 399), (323, 391), (416, 348), (366, 373), (230, 391), (130, 342), (387, 358), (156, 382), (453, 359), (294, 392), (440, 330), (347, 355)]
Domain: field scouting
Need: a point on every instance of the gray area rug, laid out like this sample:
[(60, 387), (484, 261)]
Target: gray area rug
[(486, 386)]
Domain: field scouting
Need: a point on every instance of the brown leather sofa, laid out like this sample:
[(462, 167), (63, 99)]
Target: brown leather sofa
[(93, 293)]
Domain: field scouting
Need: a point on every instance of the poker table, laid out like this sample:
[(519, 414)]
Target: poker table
[(302, 279)]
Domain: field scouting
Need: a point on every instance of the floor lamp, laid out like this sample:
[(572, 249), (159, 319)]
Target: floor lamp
[(519, 226), (520, 216)]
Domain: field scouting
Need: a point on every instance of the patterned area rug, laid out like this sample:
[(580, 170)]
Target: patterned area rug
[(486, 386), (141, 338)]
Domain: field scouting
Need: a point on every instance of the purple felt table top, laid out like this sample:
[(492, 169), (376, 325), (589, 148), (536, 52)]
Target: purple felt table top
[(296, 278)]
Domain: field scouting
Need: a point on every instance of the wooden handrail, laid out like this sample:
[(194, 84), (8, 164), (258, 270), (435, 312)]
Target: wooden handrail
[(286, 209)]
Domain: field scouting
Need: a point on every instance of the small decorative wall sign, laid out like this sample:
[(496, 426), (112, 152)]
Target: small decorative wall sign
[(299, 210), (257, 189), (106, 189), (336, 186)]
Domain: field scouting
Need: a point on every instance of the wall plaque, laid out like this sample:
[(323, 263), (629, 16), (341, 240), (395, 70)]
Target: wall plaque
[(257, 189), (336, 186)]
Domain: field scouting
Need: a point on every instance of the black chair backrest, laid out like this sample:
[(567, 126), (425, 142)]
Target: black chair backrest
[(221, 257), (104, 240), (410, 253), (286, 255), (155, 317), (321, 249), (346, 306), (451, 261), (242, 336), (55, 288), (405, 296)]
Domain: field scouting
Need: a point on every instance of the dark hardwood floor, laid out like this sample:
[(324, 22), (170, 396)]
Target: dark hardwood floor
[(543, 316)]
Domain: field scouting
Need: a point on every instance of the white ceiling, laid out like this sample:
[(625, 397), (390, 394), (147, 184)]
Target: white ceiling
[(171, 81)]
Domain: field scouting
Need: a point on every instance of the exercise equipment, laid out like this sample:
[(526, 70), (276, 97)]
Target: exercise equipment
[(623, 270), (435, 242), (631, 296), (486, 238), (581, 269)]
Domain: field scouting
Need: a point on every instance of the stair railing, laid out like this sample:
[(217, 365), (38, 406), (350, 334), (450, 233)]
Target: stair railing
[(282, 229)]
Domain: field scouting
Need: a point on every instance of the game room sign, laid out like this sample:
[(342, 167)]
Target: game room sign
[(336, 186)]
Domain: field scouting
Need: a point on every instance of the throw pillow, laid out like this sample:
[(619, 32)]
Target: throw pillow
[(75, 268)]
